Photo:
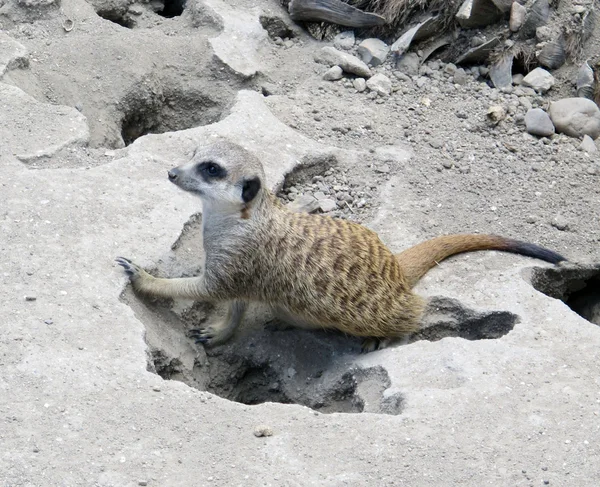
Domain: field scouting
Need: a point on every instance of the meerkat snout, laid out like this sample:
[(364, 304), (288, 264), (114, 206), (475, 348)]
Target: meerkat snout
[(173, 174)]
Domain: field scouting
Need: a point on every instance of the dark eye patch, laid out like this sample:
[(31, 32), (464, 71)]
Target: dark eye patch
[(211, 170)]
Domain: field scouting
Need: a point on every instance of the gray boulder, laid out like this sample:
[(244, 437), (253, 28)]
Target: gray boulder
[(351, 64), (537, 122), (539, 79), (380, 83), (373, 51), (576, 117)]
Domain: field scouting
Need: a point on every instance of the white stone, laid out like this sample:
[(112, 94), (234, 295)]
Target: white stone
[(304, 204), (333, 74), (373, 51), (380, 84), (327, 205), (576, 117), (540, 80), (588, 145), (359, 84), (349, 63), (517, 16)]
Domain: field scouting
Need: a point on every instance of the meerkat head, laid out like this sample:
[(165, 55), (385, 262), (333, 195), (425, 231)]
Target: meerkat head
[(224, 175)]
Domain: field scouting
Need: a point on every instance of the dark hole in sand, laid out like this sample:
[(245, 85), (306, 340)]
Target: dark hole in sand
[(168, 109), (172, 8), (120, 17), (577, 286)]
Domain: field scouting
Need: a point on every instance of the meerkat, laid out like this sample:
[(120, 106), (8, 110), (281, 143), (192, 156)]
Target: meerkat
[(313, 270)]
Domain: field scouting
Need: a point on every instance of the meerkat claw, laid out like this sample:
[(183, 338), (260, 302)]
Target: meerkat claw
[(131, 269), (201, 335)]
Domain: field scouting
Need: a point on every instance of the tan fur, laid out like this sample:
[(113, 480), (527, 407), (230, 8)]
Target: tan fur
[(315, 270), (416, 261)]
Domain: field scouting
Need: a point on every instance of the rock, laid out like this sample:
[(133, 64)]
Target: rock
[(517, 79), (380, 84), (12, 54), (344, 40), (501, 71), (263, 430), (576, 117), (450, 69), (560, 223), (327, 205), (333, 74), (351, 64), (304, 204), (588, 145), (539, 79), (517, 16), (460, 77), (537, 122), (373, 51), (245, 56), (33, 298), (408, 64), (359, 84), (51, 128), (496, 113)]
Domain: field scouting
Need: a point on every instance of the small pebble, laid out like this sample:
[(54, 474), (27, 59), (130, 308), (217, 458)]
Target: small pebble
[(263, 430), (359, 84), (327, 205), (30, 298), (560, 223), (587, 145), (333, 74)]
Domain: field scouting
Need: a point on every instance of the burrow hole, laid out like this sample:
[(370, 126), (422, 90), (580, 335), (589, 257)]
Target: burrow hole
[(276, 27), (117, 16), (166, 109), (172, 8), (577, 286)]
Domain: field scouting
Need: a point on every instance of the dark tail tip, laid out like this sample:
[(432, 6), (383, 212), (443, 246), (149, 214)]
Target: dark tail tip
[(533, 250)]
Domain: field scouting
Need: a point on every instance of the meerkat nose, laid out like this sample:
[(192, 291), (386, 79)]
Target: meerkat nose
[(173, 174)]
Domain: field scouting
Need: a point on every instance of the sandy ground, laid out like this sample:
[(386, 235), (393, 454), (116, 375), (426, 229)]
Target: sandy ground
[(98, 387)]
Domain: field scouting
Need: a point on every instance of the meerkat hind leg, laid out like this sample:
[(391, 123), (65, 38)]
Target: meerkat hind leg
[(223, 330), (374, 343)]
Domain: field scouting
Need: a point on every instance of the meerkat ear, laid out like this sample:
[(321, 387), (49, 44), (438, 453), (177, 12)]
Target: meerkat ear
[(250, 189)]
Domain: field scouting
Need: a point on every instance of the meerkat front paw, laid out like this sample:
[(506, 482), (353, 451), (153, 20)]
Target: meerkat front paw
[(135, 272)]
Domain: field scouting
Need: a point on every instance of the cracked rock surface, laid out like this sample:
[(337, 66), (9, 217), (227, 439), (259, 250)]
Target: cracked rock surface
[(99, 387)]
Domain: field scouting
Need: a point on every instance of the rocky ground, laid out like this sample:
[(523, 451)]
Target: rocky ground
[(98, 387)]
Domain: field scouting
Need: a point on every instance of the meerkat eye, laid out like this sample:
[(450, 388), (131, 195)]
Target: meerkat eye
[(211, 170)]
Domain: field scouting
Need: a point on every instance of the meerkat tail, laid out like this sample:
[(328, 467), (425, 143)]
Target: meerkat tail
[(417, 260)]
